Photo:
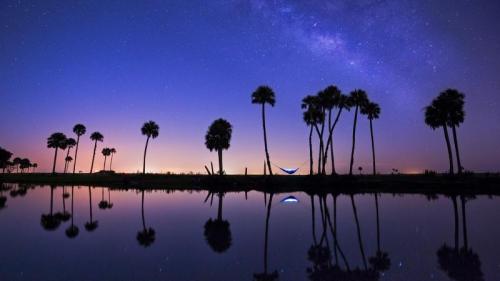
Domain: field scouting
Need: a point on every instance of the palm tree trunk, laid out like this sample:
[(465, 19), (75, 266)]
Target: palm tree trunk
[(54, 165), (142, 212), (76, 152), (93, 157), (90, 203), (265, 139), (378, 223), (72, 203), (358, 227), (353, 139), (64, 199), (457, 152), (144, 160), (219, 209), (221, 169), (313, 211), (111, 161), (311, 171), (464, 223), (51, 200), (105, 158), (455, 211), (333, 230), (448, 146), (325, 155), (373, 148), (66, 163), (320, 150)]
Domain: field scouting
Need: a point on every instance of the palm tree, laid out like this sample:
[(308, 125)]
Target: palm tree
[(264, 95), (70, 143), (103, 204), (453, 102), (435, 117), (4, 158), (372, 111), (312, 116), (112, 151), (105, 152), (149, 129), (146, 236), (49, 221), (79, 130), (358, 99), (91, 225), (341, 102), (67, 160), (95, 136), (34, 166), (72, 230), (24, 164), (56, 141), (218, 232), (16, 162), (218, 138)]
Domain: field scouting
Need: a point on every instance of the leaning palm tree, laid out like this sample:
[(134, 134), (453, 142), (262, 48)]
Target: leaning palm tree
[(264, 95), (342, 102), (70, 143), (96, 136), (105, 152), (435, 117), (151, 130), (218, 138), (453, 102), (112, 151), (56, 141), (358, 99), (79, 130), (372, 111), (312, 116)]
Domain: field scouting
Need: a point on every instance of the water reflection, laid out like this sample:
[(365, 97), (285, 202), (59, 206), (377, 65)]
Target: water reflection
[(324, 237)]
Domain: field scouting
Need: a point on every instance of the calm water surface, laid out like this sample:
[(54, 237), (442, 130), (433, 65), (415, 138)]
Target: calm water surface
[(102, 234)]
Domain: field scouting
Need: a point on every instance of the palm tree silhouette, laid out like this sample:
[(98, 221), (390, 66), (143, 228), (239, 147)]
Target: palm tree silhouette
[(4, 158), (49, 221), (218, 138), (24, 164), (453, 102), (264, 95), (105, 152), (372, 111), (358, 227), (312, 116), (72, 231), (70, 143), (34, 166), (266, 276), (358, 99), (79, 130), (341, 102), (56, 141), (381, 261), (63, 216), (329, 99), (149, 129), (95, 136), (67, 160), (112, 151), (435, 117), (91, 225), (218, 232), (16, 162), (146, 236), (103, 204), (3, 199)]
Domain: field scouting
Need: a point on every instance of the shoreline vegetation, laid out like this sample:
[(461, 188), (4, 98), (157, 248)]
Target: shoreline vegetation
[(477, 184)]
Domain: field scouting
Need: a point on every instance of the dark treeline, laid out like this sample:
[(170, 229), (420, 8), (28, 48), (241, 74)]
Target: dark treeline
[(321, 113), (20, 165)]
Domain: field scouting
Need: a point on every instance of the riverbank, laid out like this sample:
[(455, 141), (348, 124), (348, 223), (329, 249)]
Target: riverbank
[(427, 184)]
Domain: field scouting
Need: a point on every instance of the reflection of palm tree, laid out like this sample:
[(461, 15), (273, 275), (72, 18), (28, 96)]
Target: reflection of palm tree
[(91, 225), (110, 205), (358, 227), (265, 276), (146, 236), (72, 230), (380, 262), (103, 204), (49, 221), (217, 232), (3, 199), (461, 264), (63, 216)]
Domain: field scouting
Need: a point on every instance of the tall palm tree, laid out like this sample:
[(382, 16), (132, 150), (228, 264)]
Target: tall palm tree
[(372, 111), (151, 130), (70, 143), (79, 130), (313, 116), (95, 136), (105, 152), (435, 117), (342, 103), (112, 151), (218, 138), (358, 99), (146, 236), (329, 99), (67, 161), (72, 231), (453, 102), (56, 141), (264, 95)]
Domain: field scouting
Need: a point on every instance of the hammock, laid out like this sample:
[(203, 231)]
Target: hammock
[(289, 171)]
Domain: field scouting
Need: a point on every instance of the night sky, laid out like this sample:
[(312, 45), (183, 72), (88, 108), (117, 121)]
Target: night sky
[(112, 65)]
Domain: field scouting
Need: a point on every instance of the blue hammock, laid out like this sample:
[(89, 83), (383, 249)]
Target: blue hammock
[(289, 171)]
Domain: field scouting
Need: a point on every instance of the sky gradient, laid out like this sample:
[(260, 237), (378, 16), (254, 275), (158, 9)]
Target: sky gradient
[(113, 65)]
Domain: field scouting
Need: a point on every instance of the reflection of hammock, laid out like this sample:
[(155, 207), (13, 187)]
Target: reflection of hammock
[(289, 171)]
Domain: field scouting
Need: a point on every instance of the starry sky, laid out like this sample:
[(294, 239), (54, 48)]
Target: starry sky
[(112, 65)]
